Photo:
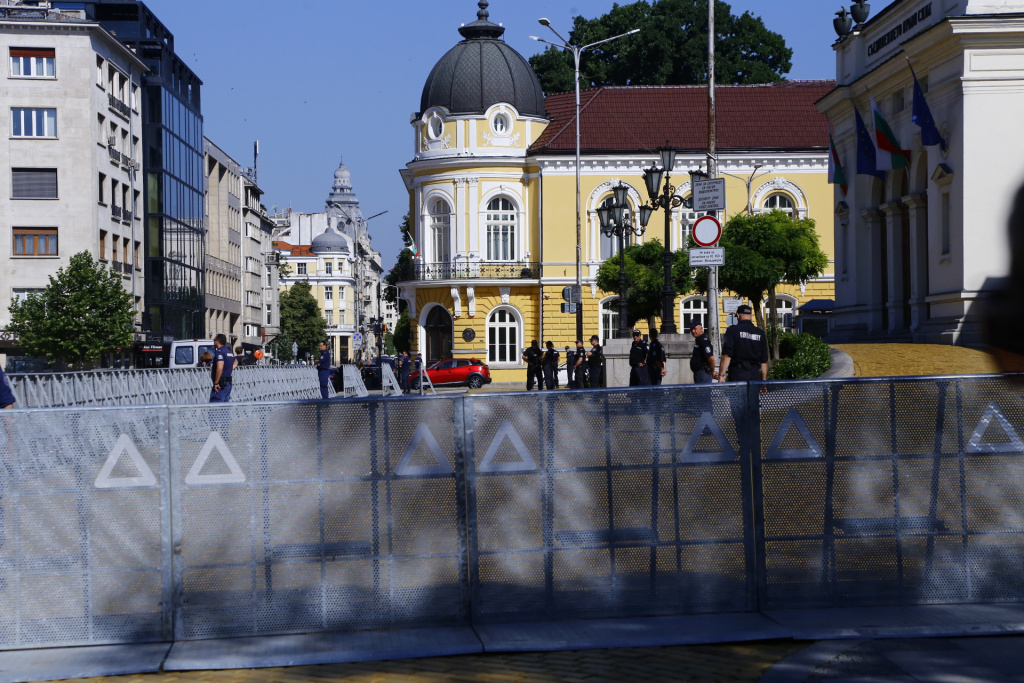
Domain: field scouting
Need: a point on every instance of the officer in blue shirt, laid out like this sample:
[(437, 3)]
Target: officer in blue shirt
[(223, 365), (323, 369), (6, 393)]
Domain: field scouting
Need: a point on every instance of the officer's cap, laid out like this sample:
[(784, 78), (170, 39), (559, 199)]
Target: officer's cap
[(566, 347), (745, 309), (695, 322), (594, 337), (637, 332)]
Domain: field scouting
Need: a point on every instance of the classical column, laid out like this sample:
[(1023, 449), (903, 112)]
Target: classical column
[(893, 212), (871, 219), (917, 208)]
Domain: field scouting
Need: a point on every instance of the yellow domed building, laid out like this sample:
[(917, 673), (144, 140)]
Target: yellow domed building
[(492, 186)]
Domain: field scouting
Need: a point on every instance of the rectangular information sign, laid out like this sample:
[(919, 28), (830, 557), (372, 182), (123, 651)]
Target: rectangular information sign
[(709, 195), (710, 256), (731, 303)]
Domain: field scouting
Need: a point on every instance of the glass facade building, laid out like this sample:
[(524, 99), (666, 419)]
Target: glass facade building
[(172, 139)]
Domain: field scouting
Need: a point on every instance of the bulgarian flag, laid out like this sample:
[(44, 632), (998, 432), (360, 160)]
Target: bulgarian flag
[(414, 249), (888, 153), (836, 174)]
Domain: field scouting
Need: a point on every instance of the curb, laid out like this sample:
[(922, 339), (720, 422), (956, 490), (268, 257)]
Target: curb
[(842, 365)]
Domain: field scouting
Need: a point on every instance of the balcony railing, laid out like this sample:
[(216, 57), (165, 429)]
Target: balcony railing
[(506, 270), (115, 156), (126, 216), (115, 213), (118, 106)]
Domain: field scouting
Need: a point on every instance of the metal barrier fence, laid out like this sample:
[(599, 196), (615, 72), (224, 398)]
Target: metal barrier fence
[(186, 522), (158, 386)]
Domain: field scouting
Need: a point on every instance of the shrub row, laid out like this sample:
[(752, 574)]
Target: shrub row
[(802, 356)]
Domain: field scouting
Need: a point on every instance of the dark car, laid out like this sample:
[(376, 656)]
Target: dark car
[(372, 376), (470, 372)]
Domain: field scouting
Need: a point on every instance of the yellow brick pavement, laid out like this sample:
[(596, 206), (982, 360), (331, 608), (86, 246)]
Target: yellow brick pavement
[(728, 663), (883, 360)]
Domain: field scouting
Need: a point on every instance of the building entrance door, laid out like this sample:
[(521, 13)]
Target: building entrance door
[(438, 331)]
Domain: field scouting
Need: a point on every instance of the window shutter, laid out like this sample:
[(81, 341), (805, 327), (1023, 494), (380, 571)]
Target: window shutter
[(32, 52), (34, 183)]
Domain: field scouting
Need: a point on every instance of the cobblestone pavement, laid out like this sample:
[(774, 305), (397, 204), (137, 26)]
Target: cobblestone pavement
[(731, 662), (883, 360)]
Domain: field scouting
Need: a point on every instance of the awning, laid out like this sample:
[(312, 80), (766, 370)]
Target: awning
[(817, 306)]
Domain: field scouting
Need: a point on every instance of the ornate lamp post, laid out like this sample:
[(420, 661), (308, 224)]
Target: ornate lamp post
[(667, 200), (615, 221)]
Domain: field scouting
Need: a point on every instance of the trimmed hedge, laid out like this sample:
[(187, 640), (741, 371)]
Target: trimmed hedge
[(802, 356)]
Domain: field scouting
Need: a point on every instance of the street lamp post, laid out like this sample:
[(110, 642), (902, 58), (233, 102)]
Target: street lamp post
[(615, 221), (667, 200), (577, 51), (747, 182)]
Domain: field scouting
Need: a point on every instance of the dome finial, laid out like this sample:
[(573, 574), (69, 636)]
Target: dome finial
[(483, 13), (482, 28)]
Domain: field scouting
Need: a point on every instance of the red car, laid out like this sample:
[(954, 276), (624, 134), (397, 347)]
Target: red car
[(471, 373)]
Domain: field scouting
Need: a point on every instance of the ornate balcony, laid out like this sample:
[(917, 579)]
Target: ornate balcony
[(486, 270)]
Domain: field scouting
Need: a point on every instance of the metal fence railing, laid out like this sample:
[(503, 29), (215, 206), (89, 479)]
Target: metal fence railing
[(158, 386), (178, 522)]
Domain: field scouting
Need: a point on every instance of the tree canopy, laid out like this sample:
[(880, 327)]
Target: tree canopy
[(645, 278), (84, 312), (765, 250), (670, 49), (301, 322)]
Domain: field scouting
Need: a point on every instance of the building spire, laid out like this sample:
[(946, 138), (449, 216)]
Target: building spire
[(483, 13), (482, 28)]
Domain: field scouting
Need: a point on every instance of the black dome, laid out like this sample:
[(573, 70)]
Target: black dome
[(481, 71)]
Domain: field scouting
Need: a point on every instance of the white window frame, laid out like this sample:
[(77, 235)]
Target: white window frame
[(300, 269), (507, 249), (513, 347), (609, 308), (439, 234), (48, 64), (767, 203), (26, 118), (328, 293), (329, 267), (780, 312), (609, 246), (688, 308)]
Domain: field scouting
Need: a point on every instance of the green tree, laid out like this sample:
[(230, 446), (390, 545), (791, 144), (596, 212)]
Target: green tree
[(403, 332), (301, 322), (645, 278), (670, 49), (83, 313), (763, 251)]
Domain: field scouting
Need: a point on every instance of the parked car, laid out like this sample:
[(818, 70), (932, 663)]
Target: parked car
[(372, 376), (470, 372)]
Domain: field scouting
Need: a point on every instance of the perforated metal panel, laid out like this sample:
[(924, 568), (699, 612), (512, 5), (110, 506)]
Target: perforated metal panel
[(337, 516), (902, 491), (83, 556), (610, 503)]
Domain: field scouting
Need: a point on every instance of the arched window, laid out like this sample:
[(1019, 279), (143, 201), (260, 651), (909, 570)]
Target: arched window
[(503, 337), (780, 202), (610, 245), (785, 308), (609, 318), (694, 307), (687, 217), (501, 223), (440, 231)]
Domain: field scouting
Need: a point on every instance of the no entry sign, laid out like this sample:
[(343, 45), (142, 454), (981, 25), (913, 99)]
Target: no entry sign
[(707, 231)]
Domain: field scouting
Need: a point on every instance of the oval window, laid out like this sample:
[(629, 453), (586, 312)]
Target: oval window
[(435, 126), (500, 124)]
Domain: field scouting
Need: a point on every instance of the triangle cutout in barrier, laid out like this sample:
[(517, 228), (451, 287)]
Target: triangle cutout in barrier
[(993, 412), (423, 435), (123, 445), (195, 475), (793, 419), (707, 423), (507, 431)]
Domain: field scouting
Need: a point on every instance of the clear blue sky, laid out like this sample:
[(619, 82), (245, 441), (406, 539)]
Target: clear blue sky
[(319, 80)]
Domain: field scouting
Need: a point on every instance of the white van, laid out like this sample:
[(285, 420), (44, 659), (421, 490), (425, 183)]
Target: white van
[(185, 353)]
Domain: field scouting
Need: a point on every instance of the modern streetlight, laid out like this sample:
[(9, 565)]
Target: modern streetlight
[(615, 221), (748, 181), (577, 51), (667, 200)]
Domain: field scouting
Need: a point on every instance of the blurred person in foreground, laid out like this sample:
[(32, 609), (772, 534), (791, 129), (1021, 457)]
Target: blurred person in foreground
[(1004, 316)]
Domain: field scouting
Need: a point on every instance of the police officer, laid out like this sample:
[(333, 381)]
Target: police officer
[(570, 365), (533, 356), (550, 366), (323, 369), (582, 369), (223, 365), (638, 376), (745, 350), (405, 365), (655, 360), (595, 362), (6, 393), (702, 363)]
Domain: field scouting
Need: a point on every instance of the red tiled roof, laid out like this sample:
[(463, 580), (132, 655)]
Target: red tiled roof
[(295, 249), (776, 116)]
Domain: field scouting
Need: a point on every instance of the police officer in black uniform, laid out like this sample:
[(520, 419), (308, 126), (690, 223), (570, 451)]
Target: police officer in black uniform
[(702, 363), (323, 369), (656, 359), (570, 365), (745, 350), (595, 361), (582, 366), (223, 365), (638, 376), (550, 366), (532, 356)]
